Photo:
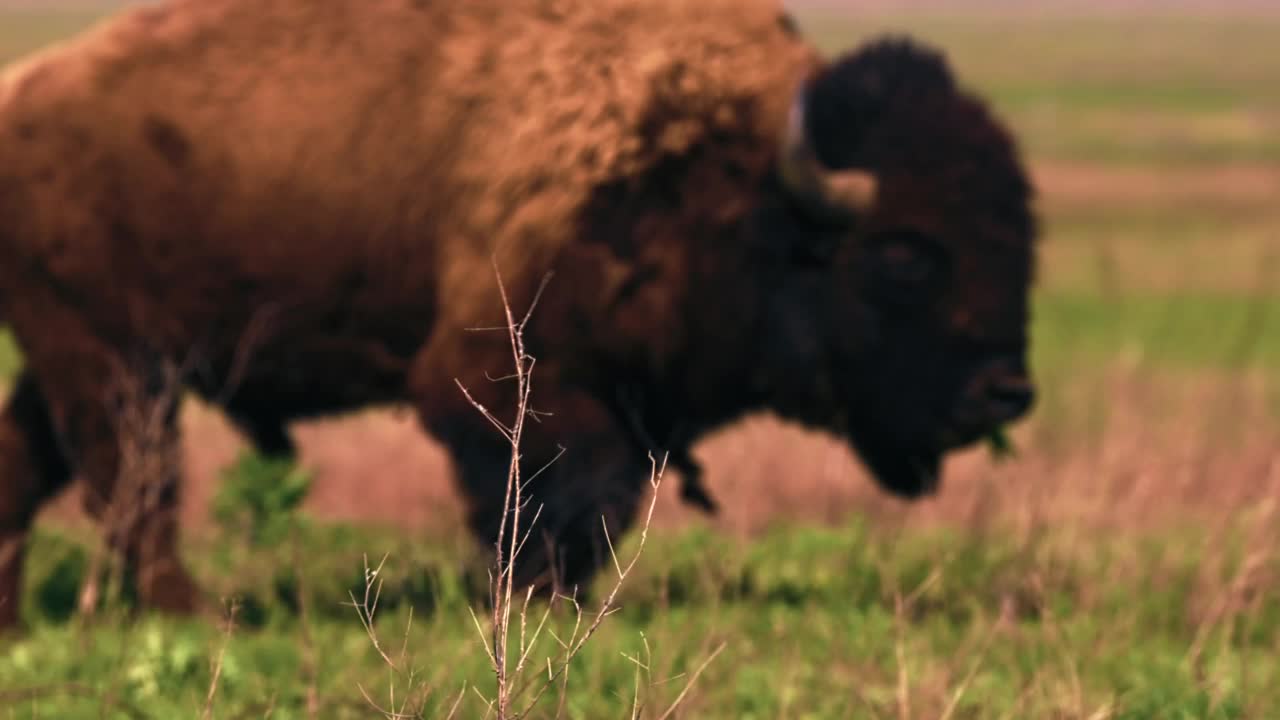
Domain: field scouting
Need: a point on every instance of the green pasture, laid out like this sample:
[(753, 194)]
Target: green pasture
[(809, 623)]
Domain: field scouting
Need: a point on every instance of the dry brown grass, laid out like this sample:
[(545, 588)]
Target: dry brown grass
[(1171, 448), (1080, 186)]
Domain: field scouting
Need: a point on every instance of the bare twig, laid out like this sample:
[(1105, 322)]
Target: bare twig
[(963, 687), (900, 652), (217, 665), (308, 645), (692, 679), (368, 606), (366, 609)]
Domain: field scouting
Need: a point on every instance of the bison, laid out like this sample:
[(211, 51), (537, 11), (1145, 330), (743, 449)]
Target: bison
[(299, 205)]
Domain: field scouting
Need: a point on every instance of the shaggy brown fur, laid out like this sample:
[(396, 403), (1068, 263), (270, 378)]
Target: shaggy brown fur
[(298, 202)]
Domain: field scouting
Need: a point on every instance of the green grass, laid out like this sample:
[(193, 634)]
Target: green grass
[(10, 356), (1185, 331), (807, 617)]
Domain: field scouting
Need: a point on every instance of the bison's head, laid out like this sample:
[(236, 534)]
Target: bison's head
[(904, 309)]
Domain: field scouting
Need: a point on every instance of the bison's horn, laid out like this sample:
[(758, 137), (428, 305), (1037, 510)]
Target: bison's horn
[(838, 195)]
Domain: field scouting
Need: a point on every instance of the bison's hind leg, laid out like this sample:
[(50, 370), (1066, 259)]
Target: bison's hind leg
[(117, 422), (131, 461), (32, 470)]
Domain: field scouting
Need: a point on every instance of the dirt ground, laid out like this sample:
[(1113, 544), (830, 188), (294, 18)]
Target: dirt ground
[(1080, 185)]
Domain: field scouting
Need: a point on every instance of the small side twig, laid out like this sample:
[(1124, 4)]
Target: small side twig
[(233, 608)]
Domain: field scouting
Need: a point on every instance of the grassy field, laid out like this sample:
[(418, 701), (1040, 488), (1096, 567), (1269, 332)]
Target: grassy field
[(815, 623), (1122, 565)]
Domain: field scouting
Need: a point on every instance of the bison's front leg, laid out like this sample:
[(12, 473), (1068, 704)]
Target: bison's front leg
[(570, 500), (579, 474)]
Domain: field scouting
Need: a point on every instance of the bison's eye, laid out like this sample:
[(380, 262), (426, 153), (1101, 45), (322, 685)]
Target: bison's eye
[(908, 267)]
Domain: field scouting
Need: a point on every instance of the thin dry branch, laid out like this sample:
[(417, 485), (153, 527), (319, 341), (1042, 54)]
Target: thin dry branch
[(693, 679), (217, 665), (415, 694), (309, 661), (510, 542), (511, 538)]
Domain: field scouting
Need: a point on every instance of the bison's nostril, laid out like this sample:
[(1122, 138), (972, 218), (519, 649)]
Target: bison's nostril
[(1010, 398)]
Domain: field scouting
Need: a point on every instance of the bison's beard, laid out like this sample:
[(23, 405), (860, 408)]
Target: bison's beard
[(905, 472)]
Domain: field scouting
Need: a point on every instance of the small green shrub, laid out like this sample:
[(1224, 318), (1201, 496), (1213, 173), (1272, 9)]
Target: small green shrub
[(259, 498)]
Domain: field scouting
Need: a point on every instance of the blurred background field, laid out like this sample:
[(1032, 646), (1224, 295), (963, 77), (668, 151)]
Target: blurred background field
[(1121, 565)]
